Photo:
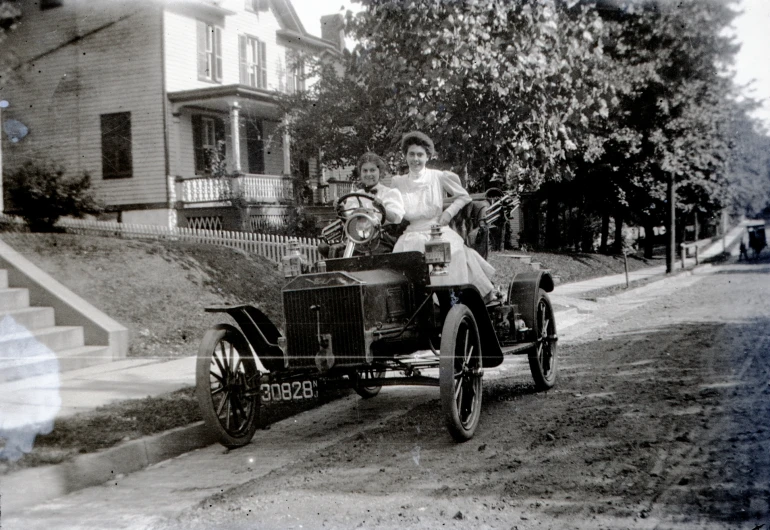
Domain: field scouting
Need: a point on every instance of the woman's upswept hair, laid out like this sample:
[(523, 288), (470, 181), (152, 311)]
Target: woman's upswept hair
[(419, 139), (374, 159)]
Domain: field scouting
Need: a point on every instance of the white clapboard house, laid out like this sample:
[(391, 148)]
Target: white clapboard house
[(138, 93)]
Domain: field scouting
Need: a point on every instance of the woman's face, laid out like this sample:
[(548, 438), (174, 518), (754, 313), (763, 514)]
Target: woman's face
[(416, 157), (370, 174)]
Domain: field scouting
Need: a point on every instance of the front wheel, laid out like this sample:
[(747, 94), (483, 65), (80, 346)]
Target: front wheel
[(542, 358), (227, 386), (460, 373), (362, 376)]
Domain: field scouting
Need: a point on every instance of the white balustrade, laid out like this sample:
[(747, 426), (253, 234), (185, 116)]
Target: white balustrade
[(253, 188)]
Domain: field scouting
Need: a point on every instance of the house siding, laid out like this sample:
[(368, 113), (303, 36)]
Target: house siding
[(61, 95), (180, 37)]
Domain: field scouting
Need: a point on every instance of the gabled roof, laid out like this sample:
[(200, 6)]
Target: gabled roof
[(288, 17)]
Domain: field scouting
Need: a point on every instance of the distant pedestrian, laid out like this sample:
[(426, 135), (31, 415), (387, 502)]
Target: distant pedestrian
[(743, 252)]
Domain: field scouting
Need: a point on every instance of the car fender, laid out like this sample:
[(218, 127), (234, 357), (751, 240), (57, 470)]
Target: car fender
[(524, 290), (261, 334), (491, 353)]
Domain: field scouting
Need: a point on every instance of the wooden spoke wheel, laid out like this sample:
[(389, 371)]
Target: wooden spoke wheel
[(227, 385), (542, 358), (460, 373)]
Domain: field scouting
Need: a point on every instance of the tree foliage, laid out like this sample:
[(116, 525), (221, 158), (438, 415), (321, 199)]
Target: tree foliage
[(506, 89), (596, 104), (41, 193)]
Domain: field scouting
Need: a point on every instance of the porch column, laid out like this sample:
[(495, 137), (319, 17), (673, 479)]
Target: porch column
[(286, 153), (176, 124), (235, 134), (3, 104)]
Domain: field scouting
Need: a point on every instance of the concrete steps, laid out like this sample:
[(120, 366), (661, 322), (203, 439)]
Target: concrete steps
[(31, 344), (32, 317)]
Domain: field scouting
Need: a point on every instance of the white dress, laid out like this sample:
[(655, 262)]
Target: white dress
[(423, 198)]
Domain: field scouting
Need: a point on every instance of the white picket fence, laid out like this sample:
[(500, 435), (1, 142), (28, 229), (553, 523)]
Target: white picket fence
[(273, 247)]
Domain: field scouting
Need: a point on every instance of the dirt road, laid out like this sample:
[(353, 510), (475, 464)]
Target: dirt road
[(660, 419)]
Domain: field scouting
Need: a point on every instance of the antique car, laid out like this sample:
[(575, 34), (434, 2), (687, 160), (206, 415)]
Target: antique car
[(757, 239), (367, 320)]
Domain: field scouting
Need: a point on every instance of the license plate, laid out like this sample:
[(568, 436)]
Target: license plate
[(289, 391)]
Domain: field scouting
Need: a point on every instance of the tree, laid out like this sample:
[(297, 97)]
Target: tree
[(506, 89), (41, 193), (670, 63)]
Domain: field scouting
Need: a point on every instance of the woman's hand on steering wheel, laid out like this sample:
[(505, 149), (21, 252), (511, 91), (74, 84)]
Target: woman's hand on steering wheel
[(377, 206)]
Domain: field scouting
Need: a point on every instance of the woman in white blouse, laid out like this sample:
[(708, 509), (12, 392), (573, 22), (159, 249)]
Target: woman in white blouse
[(372, 168), (423, 191)]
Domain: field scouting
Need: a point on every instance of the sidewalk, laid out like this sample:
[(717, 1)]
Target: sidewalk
[(714, 249), (60, 395)]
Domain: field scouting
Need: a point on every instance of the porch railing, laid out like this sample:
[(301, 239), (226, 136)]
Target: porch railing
[(251, 187), (337, 189)]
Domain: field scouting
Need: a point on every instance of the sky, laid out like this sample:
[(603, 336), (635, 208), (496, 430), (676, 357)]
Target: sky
[(752, 31)]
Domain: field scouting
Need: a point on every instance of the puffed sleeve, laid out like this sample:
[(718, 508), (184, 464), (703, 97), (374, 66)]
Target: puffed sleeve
[(450, 182), (394, 203)]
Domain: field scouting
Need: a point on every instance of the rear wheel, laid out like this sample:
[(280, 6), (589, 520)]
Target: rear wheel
[(542, 358), (362, 388), (227, 386), (460, 373)]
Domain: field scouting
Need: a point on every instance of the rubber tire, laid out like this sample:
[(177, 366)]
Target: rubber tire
[(458, 316), (211, 341), (544, 378), (368, 392)]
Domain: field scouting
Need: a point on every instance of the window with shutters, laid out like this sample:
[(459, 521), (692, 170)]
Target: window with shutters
[(208, 141), (116, 145), (295, 72), (253, 57), (209, 52)]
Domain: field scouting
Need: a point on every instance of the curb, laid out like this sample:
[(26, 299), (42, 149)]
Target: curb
[(33, 486)]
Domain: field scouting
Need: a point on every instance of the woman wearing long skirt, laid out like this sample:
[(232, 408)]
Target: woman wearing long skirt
[(423, 191)]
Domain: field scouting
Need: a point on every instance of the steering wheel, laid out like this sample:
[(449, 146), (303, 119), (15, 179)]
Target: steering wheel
[(344, 211)]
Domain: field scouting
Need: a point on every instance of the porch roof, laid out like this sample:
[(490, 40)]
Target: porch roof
[(221, 97), (304, 39)]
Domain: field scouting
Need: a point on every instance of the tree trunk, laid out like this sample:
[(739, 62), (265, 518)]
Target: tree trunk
[(552, 232), (695, 223), (671, 226), (617, 246), (649, 238), (605, 232)]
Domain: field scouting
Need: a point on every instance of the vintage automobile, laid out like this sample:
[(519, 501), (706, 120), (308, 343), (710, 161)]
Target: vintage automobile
[(367, 320), (757, 239)]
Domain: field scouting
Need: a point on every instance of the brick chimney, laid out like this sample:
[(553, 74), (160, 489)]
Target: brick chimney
[(333, 30)]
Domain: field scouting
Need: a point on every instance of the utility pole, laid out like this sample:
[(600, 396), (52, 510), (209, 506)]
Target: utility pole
[(670, 226), (3, 104)]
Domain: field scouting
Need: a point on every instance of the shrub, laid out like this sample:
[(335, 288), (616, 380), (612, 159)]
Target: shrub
[(41, 193)]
